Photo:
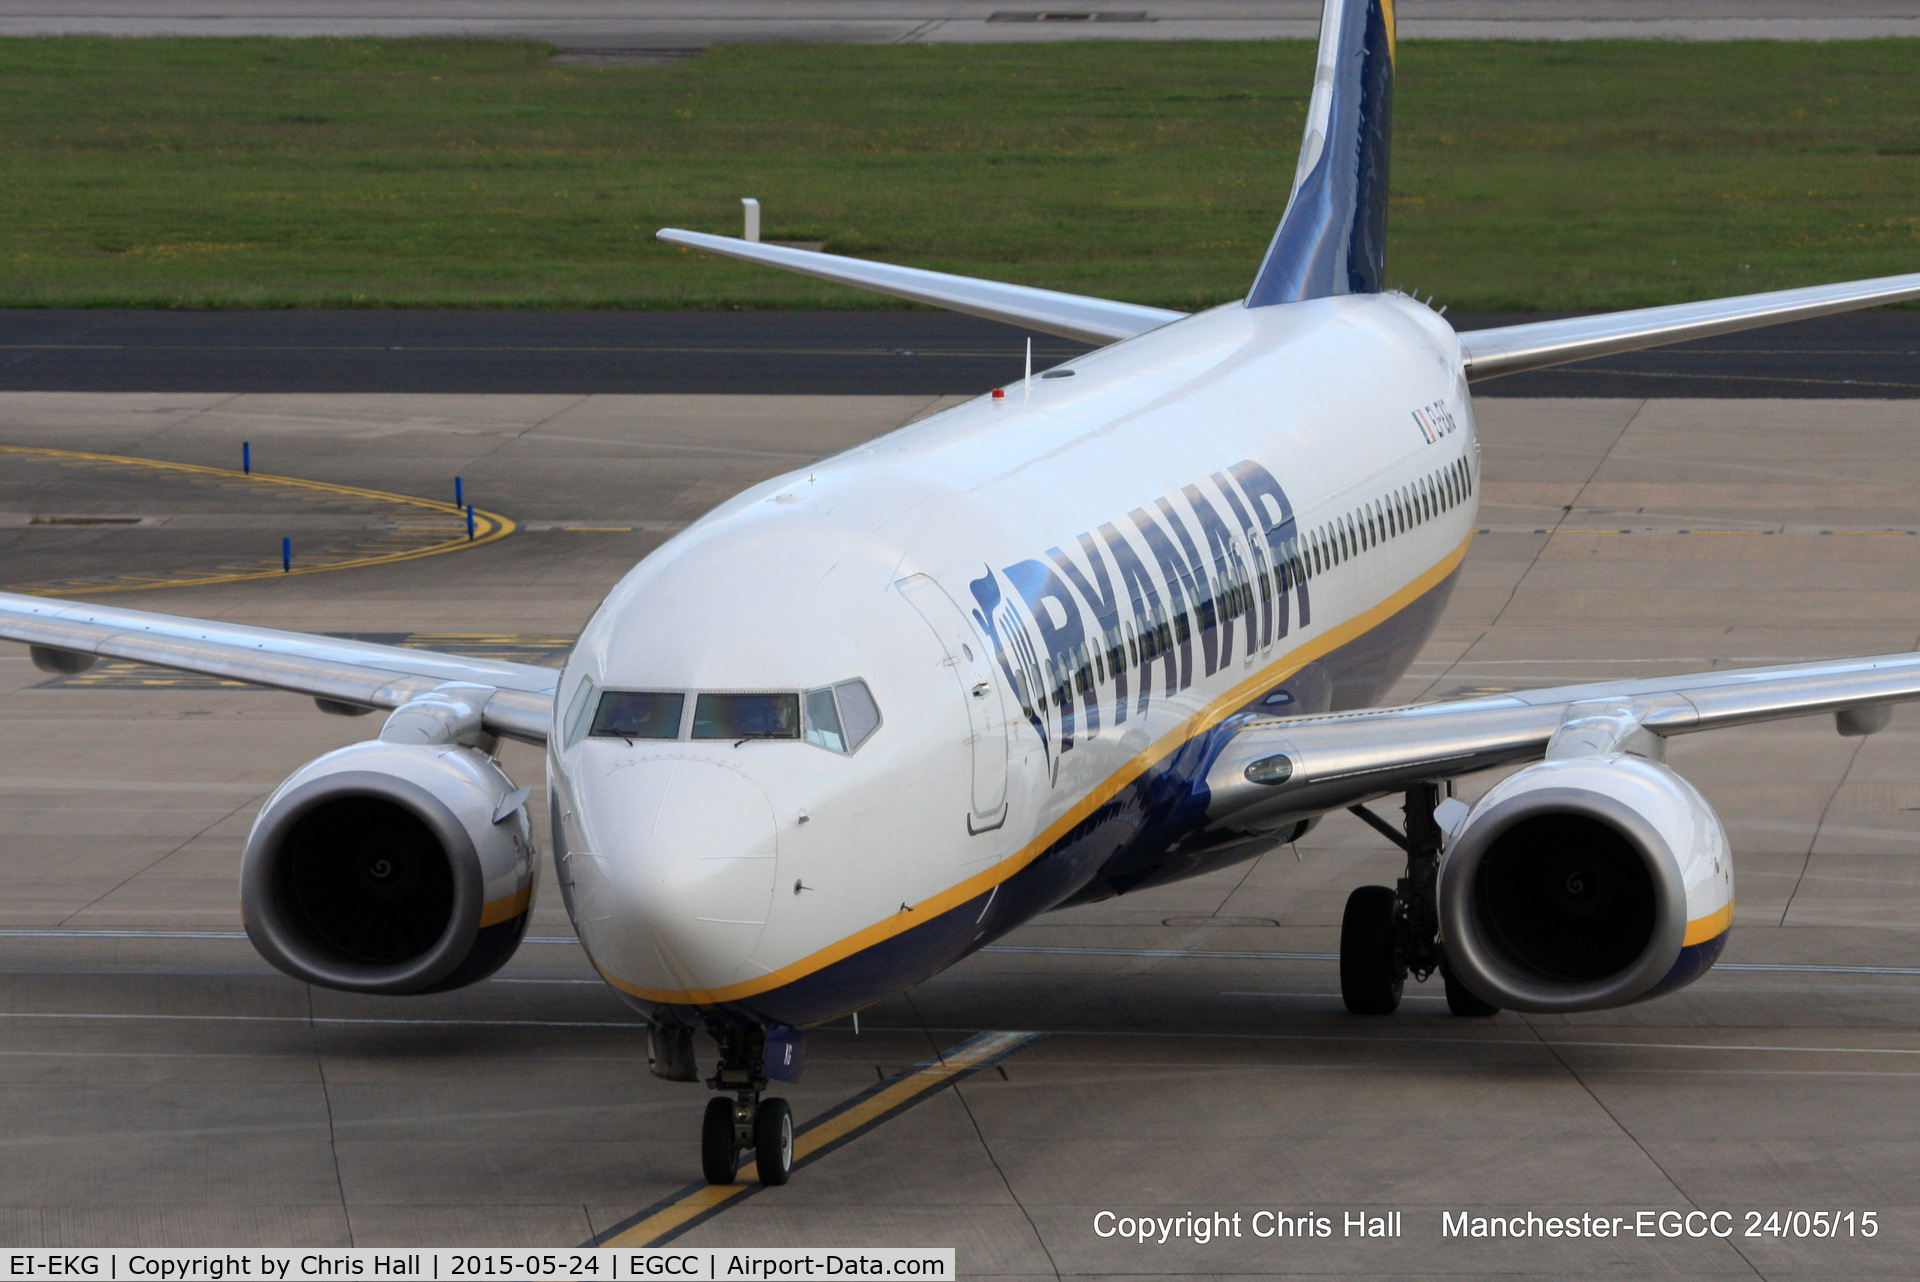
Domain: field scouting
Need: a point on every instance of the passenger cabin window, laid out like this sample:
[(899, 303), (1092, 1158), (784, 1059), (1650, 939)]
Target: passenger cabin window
[(746, 716), (1351, 533), (638, 714)]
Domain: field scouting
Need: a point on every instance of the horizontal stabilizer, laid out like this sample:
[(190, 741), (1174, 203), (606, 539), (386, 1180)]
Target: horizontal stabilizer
[(1090, 320), (1513, 348)]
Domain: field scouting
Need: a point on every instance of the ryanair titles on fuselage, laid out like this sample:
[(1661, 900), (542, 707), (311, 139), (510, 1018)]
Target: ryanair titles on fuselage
[(1172, 586)]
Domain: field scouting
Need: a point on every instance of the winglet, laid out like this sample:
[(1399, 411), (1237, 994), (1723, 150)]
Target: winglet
[(1333, 237)]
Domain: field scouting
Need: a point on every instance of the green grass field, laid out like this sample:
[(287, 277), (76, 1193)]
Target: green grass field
[(260, 173)]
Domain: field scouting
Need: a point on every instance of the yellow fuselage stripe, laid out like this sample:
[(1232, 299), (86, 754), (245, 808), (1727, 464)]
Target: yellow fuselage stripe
[(979, 884)]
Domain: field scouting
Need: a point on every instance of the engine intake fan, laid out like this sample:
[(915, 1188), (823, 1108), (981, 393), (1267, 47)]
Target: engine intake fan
[(391, 868), (1585, 884)]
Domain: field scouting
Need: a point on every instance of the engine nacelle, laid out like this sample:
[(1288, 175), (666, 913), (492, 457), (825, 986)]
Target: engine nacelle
[(391, 868), (1584, 884)]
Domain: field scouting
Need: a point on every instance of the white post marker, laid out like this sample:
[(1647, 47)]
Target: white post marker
[(752, 210)]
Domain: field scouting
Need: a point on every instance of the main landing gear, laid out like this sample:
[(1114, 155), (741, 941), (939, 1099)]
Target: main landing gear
[(1388, 933), (745, 1122)]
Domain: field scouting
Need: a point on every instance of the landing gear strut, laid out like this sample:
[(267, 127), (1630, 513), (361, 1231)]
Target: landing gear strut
[(745, 1122), (1388, 934)]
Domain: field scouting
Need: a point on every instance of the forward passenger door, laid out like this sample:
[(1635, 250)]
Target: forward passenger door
[(967, 658)]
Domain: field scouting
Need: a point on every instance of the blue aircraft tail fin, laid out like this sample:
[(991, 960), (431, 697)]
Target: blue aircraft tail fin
[(1333, 237)]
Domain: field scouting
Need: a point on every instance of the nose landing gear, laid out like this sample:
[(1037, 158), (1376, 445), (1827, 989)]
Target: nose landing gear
[(746, 1122), (1387, 934)]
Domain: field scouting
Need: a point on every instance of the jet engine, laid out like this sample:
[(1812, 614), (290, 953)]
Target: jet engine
[(391, 868), (1583, 884)]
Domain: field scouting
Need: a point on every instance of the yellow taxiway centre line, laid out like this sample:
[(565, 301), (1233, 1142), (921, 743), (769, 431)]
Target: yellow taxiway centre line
[(488, 527), (680, 1211)]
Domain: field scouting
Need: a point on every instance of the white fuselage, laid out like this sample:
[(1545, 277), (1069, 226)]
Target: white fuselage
[(1056, 600)]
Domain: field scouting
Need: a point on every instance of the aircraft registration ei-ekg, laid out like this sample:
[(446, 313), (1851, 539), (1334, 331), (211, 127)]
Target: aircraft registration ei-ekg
[(1122, 624)]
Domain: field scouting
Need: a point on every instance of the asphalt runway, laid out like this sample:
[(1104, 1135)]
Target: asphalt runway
[(1870, 355), (632, 29), (161, 1085)]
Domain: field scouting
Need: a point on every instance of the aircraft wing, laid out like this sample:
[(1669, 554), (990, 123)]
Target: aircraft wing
[(1320, 763), (1512, 348), (350, 675), (1486, 353), (1090, 320)]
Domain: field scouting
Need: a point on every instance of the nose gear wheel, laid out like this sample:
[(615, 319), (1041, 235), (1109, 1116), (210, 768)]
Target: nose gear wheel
[(719, 1150), (773, 1141)]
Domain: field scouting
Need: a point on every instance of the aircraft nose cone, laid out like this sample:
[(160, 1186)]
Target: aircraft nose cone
[(681, 878)]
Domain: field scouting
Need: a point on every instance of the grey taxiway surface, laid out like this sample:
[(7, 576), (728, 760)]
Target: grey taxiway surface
[(159, 1084)]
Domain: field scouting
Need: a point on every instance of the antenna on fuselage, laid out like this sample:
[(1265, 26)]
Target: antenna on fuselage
[(1026, 383)]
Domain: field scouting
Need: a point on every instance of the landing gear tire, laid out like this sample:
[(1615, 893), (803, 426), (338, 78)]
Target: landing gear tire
[(773, 1141), (1370, 977), (1459, 1000), (719, 1147)]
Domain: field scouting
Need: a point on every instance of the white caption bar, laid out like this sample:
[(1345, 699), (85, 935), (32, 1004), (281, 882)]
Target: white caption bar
[(444, 1264)]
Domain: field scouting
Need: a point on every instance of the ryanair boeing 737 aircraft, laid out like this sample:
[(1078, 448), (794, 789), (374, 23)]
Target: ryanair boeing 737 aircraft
[(1123, 624)]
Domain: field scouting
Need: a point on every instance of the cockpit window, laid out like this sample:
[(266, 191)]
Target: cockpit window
[(823, 721), (859, 714), (637, 714), (747, 716), (838, 718), (577, 711)]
